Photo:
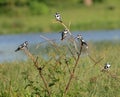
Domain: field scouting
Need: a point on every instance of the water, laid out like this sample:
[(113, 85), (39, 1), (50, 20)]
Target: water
[(8, 43)]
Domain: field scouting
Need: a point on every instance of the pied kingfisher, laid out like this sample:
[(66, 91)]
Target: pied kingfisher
[(107, 65), (22, 46), (58, 17), (64, 34), (80, 38)]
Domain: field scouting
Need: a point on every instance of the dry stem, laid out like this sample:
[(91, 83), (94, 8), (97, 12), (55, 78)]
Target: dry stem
[(35, 61), (73, 71)]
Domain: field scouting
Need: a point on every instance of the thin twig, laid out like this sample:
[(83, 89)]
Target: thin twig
[(51, 42), (68, 66), (70, 35), (73, 71), (35, 61), (45, 82), (95, 63), (65, 27), (38, 45), (71, 53), (99, 61), (72, 40), (92, 59), (76, 62)]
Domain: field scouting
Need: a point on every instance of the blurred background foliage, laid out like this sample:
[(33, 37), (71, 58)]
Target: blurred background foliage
[(38, 7), (24, 16)]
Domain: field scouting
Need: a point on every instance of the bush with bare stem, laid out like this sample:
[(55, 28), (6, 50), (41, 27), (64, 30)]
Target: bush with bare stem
[(75, 46)]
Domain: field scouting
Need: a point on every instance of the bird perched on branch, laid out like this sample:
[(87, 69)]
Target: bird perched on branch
[(107, 65), (80, 38), (64, 34), (22, 46), (58, 17)]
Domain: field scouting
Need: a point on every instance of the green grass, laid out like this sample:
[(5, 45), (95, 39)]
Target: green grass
[(22, 79), (96, 17)]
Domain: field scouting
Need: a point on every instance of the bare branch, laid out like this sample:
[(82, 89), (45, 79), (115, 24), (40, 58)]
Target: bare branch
[(35, 61)]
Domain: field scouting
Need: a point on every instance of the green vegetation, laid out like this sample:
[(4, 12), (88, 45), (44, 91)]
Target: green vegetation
[(25, 16), (65, 69), (22, 79), (69, 69)]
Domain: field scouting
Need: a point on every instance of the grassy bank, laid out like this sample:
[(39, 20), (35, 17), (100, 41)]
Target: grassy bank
[(99, 16), (22, 79)]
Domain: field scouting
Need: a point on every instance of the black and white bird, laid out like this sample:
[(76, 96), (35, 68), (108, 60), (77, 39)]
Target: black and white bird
[(64, 34), (80, 38), (107, 65), (58, 17), (22, 46)]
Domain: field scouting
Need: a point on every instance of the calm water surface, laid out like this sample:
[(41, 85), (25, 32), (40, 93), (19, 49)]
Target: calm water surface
[(8, 43)]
